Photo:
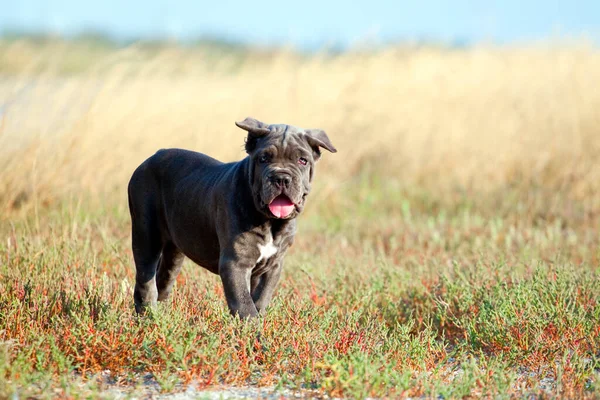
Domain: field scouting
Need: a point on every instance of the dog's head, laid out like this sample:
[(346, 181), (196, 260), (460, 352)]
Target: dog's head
[(282, 163)]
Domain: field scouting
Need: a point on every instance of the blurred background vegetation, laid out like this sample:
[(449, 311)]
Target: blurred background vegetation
[(496, 126)]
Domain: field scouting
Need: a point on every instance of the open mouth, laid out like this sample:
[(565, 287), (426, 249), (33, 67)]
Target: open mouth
[(281, 206)]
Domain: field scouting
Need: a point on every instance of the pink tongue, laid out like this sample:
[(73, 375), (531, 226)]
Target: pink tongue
[(281, 206)]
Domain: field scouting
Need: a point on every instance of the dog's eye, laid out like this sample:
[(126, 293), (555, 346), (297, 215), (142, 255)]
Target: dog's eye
[(263, 159), (302, 161)]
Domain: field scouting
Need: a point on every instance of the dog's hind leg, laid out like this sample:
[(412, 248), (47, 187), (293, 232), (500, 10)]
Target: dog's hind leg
[(146, 248), (168, 269), (146, 242)]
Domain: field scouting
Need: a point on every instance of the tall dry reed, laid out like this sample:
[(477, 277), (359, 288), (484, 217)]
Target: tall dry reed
[(479, 119)]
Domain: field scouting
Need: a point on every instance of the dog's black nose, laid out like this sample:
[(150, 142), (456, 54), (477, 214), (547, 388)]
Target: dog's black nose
[(281, 180)]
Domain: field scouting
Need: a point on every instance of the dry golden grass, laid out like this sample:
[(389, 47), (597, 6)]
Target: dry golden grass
[(478, 120)]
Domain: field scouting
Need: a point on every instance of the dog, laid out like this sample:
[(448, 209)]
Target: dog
[(235, 219)]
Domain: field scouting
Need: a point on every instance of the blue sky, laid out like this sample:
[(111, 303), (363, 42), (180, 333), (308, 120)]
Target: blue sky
[(310, 23)]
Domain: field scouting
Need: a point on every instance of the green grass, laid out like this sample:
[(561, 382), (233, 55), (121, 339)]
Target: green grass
[(388, 292)]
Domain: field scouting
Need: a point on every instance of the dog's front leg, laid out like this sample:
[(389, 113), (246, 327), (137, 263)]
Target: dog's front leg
[(263, 289), (236, 282)]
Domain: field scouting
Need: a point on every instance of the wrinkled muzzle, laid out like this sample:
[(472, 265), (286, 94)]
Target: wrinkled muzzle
[(281, 193)]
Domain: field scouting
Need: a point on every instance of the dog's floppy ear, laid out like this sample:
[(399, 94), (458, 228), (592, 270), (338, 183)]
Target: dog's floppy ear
[(256, 130), (254, 126), (318, 139)]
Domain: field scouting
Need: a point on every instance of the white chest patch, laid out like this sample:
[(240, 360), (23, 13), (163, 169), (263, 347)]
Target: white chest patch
[(267, 250)]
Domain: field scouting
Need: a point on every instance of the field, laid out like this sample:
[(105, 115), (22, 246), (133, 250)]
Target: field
[(450, 248)]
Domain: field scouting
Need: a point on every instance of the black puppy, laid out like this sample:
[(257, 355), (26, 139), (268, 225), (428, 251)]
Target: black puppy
[(236, 219)]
